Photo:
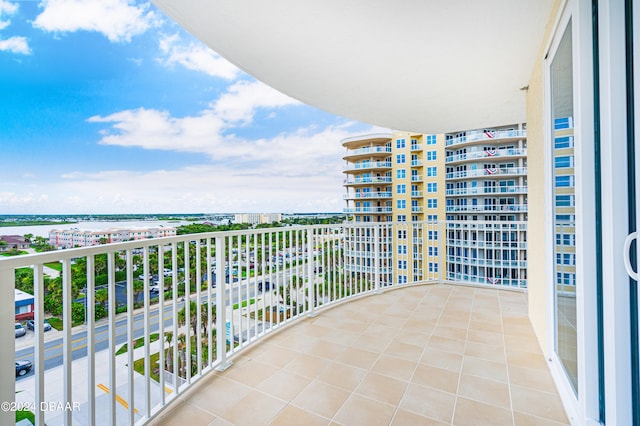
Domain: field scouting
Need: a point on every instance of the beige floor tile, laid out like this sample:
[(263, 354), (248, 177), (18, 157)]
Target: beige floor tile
[(428, 402), (321, 399), (438, 378), (358, 410), (408, 351), (263, 409), (341, 337), (217, 394), (343, 376), (532, 378), (485, 337), (522, 419), (521, 343), (382, 388), (490, 326), (307, 365), (483, 390), (250, 373), (446, 330), (358, 358), (372, 343), (446, 344), (418, 338), (442, 359), (274, 355), (472, 413), (294, 416), (547, 405), (485, 368), (323, 350), (397, 368), (484, 351), (527, 359), (284, 385), (184, 413), (407, 418)]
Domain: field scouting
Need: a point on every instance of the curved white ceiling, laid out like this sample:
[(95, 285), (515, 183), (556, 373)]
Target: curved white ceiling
[(416, 65)]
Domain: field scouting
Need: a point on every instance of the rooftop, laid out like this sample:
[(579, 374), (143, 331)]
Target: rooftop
[(425, 354)]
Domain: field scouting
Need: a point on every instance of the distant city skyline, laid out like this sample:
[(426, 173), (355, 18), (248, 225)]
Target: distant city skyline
[(109, 107)]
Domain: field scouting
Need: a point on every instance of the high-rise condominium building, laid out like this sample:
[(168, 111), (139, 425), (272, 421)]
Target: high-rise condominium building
[(475, 179)]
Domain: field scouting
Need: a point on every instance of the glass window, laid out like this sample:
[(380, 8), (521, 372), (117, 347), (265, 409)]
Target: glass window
[(401, 158), (431, 155), (401, 173), (432, 171), (400, 143), (401, 189)]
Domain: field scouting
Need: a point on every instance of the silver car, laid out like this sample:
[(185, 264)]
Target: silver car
[(20, 330)]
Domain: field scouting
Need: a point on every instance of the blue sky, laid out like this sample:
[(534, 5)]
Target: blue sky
[(108, 106)]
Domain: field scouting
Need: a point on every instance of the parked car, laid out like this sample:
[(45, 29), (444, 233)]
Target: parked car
[(31, 325), (264, 286), (20, 330), (154, 289), (23, 367)]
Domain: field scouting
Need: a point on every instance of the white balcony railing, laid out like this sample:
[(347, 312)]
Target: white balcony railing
[(368, 180), (487, 190), (490, 153), (357, 210), (487, 136), (368, 165), (489, 172), (367, 195), (416, 178), (204, 297), (369, 150), (487, 209)]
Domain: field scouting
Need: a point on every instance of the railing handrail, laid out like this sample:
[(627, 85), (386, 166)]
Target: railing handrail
[(487, 136)]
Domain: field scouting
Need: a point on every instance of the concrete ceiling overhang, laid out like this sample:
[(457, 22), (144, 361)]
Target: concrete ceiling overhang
[(417, 65)]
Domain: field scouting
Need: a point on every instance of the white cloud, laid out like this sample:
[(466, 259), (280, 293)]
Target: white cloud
[(196, 57), (15, 45), (242, 99), (202, 188), (203, 133), (115, 19), (6, 8)]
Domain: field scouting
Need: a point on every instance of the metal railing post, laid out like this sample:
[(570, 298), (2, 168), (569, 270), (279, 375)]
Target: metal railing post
[(442, 250), (8, 347), (311, 287), (221, 305), (376, 258)]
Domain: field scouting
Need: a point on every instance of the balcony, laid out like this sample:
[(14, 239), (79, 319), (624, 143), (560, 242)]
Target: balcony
[(416, 178), (419, 353), (495, 136), (367, 195), (416, 163), (416, 147), (490, 172), (416, 194), (486, 190), (367, 210), (490, 153), (417, 209), (368, 180), (368, 165), (511, 208), (367, 151)]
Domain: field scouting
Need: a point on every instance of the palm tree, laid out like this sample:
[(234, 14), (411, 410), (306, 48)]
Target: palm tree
[(102, 296), (168, 337)]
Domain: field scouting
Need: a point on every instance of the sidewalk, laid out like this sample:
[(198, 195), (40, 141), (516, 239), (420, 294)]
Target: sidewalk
[(54, 389)]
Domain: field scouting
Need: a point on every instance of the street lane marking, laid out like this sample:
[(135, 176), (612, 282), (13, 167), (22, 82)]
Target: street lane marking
[(167, 390), (121, 401)]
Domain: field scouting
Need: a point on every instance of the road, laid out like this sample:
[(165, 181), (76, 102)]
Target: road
[(53, 349)]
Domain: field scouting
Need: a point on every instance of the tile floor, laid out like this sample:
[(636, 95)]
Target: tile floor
[(421, 355)]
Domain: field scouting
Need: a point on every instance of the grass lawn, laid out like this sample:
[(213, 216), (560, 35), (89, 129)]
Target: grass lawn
[(138, 366), (25, 414), (137, 343), (54, 265), (244, 303), (55, 323)]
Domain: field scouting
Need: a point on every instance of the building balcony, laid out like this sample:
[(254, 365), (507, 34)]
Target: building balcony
[(367, 151), (367, 210), (421, 353), (369, 180), (522, 245), (362, 141), (416, 194), (502, 154), (495, 136), (416, 163), (491, 263), (488, 173), (416, 178), (486, 190), (515, 208), (369, 165), (416, 147), (367, 195)]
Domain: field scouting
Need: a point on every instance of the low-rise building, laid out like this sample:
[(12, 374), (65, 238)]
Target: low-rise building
[(257, 218), (13, 242), (83, 238), (24, 303)]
